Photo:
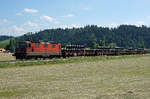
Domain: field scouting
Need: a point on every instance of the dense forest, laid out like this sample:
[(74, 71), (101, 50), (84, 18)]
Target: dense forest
[(93, 36), (122, 36)]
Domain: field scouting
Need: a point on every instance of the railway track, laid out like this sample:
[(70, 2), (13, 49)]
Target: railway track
[(25, 60)]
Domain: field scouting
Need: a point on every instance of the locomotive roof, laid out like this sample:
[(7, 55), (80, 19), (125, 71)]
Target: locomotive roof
[(49, 42)]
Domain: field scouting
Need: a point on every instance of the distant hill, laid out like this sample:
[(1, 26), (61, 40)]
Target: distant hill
[(3, 44), (92, 35), (2, 38), (4, 41)]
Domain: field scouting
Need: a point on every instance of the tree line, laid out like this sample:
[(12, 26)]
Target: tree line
[(4, 37), (92, 36)]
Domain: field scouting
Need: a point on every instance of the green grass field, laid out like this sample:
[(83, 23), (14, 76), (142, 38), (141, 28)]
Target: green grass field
[(124, 77), (4, 43)]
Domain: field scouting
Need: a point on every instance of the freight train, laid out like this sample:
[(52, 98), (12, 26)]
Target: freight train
[(36, 50)]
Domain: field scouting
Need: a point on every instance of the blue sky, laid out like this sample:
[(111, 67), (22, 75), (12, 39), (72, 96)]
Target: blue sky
[(18, 17)]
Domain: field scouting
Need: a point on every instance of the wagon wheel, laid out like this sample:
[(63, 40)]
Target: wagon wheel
[(74, 54)]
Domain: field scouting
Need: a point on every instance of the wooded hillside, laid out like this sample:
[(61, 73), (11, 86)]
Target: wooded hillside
[(92, 36)]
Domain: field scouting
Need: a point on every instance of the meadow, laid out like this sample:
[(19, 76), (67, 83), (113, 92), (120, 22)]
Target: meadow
[(111, 77)]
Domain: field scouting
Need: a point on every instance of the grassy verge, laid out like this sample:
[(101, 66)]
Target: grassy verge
[(65, 61)]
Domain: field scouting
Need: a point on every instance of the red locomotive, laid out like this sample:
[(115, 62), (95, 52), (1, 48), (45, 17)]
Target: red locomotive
[(35, 50), (28, 49)]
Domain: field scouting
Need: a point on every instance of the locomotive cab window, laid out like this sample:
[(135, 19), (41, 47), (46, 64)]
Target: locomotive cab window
[(37, 45), (29, 45), (45, 45), (53, 46)]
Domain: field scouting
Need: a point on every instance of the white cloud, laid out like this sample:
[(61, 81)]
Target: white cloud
[(30, 10), (68, 16), (19, 14), (31, 24), (3, 20), (77, 25), (113, 25), (49, 19), (12, 31), (126, 23), (140, 23), (18, 29), (148, 17), (69, 26)]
